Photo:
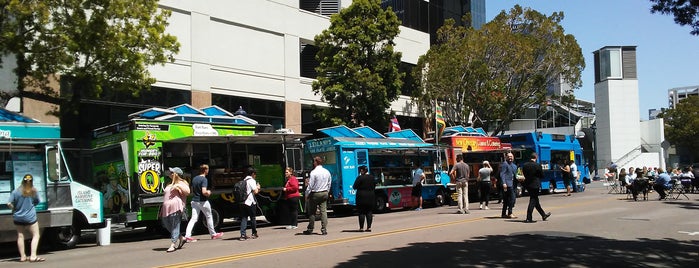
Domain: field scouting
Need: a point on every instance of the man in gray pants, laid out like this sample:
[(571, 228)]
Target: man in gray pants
[(317, 196)]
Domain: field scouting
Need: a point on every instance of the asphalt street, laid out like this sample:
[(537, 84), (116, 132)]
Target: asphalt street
[(588, 229)]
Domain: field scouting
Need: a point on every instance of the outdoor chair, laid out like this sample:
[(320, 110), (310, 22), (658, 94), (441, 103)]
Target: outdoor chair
[(677, 190)]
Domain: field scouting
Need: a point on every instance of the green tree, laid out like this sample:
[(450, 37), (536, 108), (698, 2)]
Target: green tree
[(358, 72), (494, 74), (88, 45), (682, 125), (686, 12)]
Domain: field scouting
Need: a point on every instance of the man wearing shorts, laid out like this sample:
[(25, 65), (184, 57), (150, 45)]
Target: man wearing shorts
[(418, 179)]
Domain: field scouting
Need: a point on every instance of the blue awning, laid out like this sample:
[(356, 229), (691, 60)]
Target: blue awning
[(8, 116), (405, 134), (340, 131), (368, 132)]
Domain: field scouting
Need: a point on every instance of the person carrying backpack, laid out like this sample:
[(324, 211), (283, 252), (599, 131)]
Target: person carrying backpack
[(249, 204)]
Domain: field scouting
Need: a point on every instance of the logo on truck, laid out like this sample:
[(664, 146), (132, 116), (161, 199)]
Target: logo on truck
[(149, 166)]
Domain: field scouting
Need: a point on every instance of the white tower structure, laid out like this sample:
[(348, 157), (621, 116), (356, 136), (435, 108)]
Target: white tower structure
[(618, 122)]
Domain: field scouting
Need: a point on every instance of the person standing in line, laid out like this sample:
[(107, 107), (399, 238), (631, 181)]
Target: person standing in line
[(249, 206), (460, 173), (366, 198), (291, 196), (508, 175), (532, 181), (173, 207), (200, 203), (484, 184), (574, 175), (317, 196), (22, 202), (565, 173), (418, 179)]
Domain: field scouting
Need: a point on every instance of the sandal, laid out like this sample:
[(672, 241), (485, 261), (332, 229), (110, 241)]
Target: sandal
[(37, 259), (181, 242)]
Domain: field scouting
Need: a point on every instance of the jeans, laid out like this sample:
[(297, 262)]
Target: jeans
[(245, 212), (462, 191), (316, 200), (172, 223), (534, 203), (485, 191), (508, 201), (200, 206)]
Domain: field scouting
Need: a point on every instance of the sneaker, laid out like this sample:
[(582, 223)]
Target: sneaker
[(308, 232), (486, 208), (190, 239), (254, 236), (418, 209), (467, 212), (481, 206), (291, 227), (180, 242), (324, 232), (243, 238), (217, 235)]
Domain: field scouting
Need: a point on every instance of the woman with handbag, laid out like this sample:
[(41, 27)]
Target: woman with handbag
[(173, 208)]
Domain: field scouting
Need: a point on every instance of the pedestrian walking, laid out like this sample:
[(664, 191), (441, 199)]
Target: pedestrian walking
[(248, 208), (291, 197), (200, 203), (173, 208), (366, 199), (460, 173), (22, 202), (508, 175), (317, 196), (532, 181), (484, 184)]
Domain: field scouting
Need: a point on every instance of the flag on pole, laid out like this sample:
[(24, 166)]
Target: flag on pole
[(439, 120), (394, 126)]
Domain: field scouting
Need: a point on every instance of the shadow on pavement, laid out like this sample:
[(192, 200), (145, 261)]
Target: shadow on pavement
[(541, 249)]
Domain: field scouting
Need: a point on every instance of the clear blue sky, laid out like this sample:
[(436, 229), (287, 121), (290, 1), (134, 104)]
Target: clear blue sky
[(667, 55)]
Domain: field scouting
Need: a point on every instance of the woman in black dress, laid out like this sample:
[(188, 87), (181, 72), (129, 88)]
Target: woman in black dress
[(365, 186)]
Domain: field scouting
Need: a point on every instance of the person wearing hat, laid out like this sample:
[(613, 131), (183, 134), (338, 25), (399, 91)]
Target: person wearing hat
[(172, 210), (484, 183), (22, 202)]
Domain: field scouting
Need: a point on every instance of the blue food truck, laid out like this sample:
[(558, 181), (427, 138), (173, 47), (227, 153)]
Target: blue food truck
[(389, 159), (553, 150), (66, 207)]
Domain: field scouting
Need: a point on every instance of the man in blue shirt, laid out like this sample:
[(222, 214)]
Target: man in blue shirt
[(662, 183)]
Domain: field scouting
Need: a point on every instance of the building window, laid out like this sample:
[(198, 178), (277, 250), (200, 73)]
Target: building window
[(610, 64), (322, 7), (308, 61)]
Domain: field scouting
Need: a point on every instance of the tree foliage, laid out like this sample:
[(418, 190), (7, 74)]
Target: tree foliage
[(686, 12), (682, 125), (358, 72), (492, 75), (90, 45)]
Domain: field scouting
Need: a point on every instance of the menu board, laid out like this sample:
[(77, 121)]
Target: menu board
[(36, 168)]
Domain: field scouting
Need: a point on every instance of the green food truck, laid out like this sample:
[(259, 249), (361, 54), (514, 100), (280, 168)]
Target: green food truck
[(66, 206), (129, 159)]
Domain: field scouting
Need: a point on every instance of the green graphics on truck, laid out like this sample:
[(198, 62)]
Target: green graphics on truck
[(130, 159)]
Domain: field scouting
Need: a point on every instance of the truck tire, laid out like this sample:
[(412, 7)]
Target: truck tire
[(215, 215), (66, 237), (441, 198), (380, 204)]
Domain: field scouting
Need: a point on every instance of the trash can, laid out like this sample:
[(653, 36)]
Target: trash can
[(104, 235)]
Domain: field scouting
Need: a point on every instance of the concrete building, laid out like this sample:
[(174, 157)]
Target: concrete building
[(620, 135), (677, 94)]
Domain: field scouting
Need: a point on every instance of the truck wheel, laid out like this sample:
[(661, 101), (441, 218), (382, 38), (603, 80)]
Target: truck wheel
[(215, 215), (440, 199), (380, 204), (66, 237)]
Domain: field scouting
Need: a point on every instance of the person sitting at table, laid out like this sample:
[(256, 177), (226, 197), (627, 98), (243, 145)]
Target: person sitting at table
[(662, 183)]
